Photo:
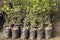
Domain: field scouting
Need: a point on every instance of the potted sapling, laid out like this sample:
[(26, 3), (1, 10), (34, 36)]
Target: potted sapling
[(8, 16), (40, 30), (46, 13), (14, 8), (33, 31), (16, 29), (48, 30), (10, 11), (45, 10), (32, 20), (16, 18), (25, 30)]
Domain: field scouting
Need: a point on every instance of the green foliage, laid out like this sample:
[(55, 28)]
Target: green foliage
[(46, 9), (10, 12), (33, 10)]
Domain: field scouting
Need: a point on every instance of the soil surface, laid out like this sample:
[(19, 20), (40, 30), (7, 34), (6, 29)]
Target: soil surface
[(2, 38)]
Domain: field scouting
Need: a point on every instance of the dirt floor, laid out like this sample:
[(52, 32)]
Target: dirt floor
[(2, 38)]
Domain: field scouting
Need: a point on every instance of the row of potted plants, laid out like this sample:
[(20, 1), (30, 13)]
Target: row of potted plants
[(29, 14), (25, 33)]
